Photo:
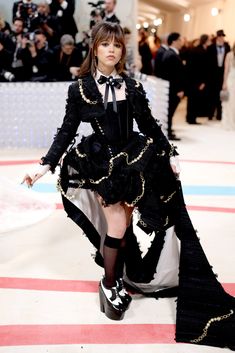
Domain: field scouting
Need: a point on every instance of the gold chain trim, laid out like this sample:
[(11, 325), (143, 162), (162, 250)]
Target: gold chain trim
[(139, 196), (111, 161), (87, 100), (172, 150), (80, 184), (102, 132), (169, 197), (167, 221), (137, 84), (142, 223), (99, 127), (60, 189), (205, 330), (81, 155)]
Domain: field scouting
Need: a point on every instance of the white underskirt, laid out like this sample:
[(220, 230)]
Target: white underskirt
[(166, 275)]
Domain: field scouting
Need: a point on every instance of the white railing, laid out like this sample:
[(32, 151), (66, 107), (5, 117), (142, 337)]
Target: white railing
[(31, 112)]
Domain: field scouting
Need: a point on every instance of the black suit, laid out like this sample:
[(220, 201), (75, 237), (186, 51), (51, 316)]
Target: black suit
[(173, 71), (216, 75), (112, 19), (158, 61), (42, 63), (197, 68), (65, 16), (63, 62)]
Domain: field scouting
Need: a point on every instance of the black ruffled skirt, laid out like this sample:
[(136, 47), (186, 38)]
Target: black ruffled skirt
[(135, 173)]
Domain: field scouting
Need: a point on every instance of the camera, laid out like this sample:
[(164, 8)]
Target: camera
[(7, 75), (26, 9), (97, 13), (31, 39), (99, 5)]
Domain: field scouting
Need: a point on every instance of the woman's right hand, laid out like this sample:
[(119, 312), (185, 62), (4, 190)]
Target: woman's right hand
[(37, 172), (224, 87)]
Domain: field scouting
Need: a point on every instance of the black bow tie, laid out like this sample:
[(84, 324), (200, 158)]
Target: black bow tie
[(110, 82)]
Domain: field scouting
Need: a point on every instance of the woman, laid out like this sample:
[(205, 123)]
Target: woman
[(116, 170), (145, 53), (228, 111)]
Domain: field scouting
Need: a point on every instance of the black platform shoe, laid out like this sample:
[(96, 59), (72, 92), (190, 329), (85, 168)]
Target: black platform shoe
[(110, 302), (123, 294)]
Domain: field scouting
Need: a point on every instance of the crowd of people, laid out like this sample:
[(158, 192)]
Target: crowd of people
[(202, 70), (41, 46)]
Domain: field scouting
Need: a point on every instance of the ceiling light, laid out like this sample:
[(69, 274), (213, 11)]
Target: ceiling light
[(214, 11), (138, 26), (157, 22), (187, 17), (153, 30), (145, 25)]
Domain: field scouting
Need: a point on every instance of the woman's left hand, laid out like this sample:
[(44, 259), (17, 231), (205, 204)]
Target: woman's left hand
[(175, 166)]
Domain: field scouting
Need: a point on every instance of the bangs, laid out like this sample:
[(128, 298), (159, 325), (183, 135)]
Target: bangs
[(108, 32), (111, 35)]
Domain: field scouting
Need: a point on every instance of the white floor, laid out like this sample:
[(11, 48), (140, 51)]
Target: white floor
[(48, 280)]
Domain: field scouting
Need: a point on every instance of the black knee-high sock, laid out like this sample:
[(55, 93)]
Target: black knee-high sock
[(121, 258), (111, 250)]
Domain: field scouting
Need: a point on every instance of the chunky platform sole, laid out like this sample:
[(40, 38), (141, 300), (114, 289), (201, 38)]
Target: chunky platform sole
[(106, 307)]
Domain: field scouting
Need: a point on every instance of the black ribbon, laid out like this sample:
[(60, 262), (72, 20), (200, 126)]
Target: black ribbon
[(110, 82)]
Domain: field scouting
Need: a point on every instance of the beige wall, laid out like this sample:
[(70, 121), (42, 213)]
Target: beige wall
[(203, 22)]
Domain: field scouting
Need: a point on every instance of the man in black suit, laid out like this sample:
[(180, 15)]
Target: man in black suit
[(173, 71), (109, 11), (64, 11), (25, 9), (197, 68), (217, 53), (47, 23), (159, 56), (37, 58)]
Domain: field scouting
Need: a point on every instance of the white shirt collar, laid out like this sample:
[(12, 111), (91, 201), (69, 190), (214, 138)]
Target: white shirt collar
[(99, 73), (175, 50), (109, 15), (120, 93), (165, 46)]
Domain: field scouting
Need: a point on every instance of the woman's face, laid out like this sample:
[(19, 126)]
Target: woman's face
[(108, 53)]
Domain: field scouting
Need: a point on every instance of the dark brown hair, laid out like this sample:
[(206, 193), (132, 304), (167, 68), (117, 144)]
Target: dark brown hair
[(101, 32)]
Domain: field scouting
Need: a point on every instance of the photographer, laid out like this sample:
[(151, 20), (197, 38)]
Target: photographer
[(97, 14), (17, 66), (64, 11), (4, 26), (109, 11), (67, 60), (83, 46), (37, 57), (48, 23), (25, 9), (5, 59)]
